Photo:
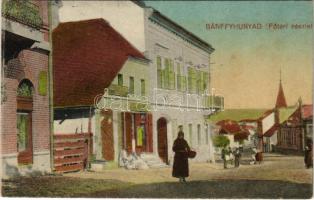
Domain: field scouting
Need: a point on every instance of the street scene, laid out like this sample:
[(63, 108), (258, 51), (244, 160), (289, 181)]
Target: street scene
[(157, 99)]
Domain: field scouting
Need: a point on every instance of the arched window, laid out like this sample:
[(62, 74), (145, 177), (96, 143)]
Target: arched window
[(25, 89)]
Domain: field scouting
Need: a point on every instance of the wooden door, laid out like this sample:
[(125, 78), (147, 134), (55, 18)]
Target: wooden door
[(107, 136), (149, 128), (127, 131), (162, 139), (24, 138)]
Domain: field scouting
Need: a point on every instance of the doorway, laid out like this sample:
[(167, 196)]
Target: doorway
[(162, 139), (24, 122), (107, 136)]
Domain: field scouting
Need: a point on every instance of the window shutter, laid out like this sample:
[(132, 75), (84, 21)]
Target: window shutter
[(159, 72), (192, 80), (172, 79), (183, 83), (166, 74)]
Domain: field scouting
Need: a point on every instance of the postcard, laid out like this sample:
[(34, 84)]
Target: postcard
[(157, 99)]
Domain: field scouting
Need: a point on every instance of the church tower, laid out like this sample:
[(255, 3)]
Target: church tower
[(281, 99)]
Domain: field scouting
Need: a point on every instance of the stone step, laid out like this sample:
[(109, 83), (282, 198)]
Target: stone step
[(152, 160)]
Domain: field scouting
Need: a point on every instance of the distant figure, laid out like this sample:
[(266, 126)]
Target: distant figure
[(224, 157), (259, 156), (237, 157), (181, 165), (308, 154)]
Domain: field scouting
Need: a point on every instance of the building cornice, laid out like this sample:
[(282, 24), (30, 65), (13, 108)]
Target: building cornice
[(168, 24)]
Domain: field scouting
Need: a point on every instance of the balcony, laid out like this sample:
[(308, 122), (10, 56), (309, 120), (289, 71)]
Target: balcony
[(118, 90), (216, 102), (23, 12)]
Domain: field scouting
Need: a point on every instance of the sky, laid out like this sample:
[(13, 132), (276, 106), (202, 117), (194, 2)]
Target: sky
[(246, 63)]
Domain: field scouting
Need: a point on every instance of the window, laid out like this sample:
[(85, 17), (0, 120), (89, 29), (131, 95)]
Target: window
[(199, 134), (190, 134), (140, 136), (166, 73), (192, 83), (207, 134), (159, 72), (178, 77), (165, 76), (23, 121), (143, 87), (131, 85), (120, 79)]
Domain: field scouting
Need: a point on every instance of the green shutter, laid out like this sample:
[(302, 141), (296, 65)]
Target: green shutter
[(159, 73), (159, 78), (192, 80), (42, 83), (166, 74), (172, 78), (183, 83), (205, 80)]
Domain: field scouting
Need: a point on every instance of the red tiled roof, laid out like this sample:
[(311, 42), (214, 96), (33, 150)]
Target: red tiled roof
[(281, 99), (228, 126), (271, 131), (87, 55), (307, 111), (242, 135)]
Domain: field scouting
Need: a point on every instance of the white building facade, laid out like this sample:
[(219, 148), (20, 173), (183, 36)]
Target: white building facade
[(179, 71)]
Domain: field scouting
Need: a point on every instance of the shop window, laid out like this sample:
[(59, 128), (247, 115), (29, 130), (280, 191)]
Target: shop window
[(140, 136)]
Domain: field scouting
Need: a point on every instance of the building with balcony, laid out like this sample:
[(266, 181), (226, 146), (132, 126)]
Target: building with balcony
[(25, 136), (179, 72), (99, 79)]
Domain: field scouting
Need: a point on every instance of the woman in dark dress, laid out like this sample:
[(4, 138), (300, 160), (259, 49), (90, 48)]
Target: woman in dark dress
[(308, 156), (181, 164)]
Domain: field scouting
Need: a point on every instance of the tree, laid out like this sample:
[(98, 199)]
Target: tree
[(221, 141)]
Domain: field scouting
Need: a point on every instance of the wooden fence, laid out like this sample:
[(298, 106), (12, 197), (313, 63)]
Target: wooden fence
[(72, 151)]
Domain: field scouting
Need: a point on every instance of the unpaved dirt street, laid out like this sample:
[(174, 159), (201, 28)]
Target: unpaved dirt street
[(277, 177)]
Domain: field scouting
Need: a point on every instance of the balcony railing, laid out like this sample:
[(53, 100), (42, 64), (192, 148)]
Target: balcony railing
[(118, 90), (216, 102), (22, 11)]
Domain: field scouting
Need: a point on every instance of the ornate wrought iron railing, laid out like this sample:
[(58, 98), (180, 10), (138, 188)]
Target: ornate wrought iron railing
[(22, 11)]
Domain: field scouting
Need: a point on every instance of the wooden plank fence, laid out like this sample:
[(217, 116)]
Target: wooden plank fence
[(72, 151)]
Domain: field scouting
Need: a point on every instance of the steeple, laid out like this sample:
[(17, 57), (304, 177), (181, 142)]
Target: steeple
[(281, 100)]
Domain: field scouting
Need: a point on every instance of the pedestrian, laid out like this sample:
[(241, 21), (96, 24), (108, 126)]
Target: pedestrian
[(223, 157), (308, 154), (237, 157), (181, 164)]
